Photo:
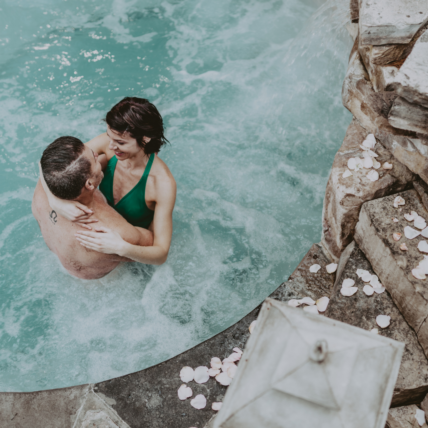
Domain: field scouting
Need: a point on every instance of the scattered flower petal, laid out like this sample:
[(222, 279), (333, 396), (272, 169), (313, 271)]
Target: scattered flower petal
[(201, 374), (370, 141), (331, 267), (293, 303), (223, 379), (396, 236), (373, 175), (322, 303), (184, 392), (420, 223), (237, 350), (418, 273), (376, 164), (409, 217), (368, 162), (424, 233), (398, 201), (187, 374), (371, 153), (379, 290), (395, 220), (374, 281), (420, 417), (314, 268), (368, 290), (348, 291), (213, 372), (215, 363), (403, 247), (367, 277), (311, 309), (387, 165), (307, 301), (383, 321), (361, 272), (231, 370), (423, 246), (348, 282), (347, 174), (199, 402), (236, 356), (352, 163), (374, 331), (411, 233), (252, 325), (216, 406)]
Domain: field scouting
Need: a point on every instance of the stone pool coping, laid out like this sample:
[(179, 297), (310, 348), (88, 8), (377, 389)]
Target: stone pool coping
[(148, 398)]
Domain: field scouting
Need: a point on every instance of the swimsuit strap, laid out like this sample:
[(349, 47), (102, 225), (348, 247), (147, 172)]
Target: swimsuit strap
[(148, 168)]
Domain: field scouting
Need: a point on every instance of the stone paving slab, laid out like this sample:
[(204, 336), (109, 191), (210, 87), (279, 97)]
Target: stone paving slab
[(361, 311), (408, 116), (403, 417), (374, 235)]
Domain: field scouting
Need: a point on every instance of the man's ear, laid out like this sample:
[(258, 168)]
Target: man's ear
[(89, 185), (146, 139)]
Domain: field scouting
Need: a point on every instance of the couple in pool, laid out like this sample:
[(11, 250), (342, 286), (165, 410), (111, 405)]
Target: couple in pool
[(109, 200)]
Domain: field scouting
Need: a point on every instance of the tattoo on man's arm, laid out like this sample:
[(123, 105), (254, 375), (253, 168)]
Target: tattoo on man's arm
[(53, 216)]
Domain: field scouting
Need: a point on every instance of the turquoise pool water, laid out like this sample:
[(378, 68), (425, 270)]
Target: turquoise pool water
[(250, 93)]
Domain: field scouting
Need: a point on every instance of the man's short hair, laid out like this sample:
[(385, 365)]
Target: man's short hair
[(64, 168)]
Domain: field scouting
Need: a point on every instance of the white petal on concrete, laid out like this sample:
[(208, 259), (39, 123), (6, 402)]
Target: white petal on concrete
[(331, 267), (373, 175), (418, 273), (307, 301), (370, 141), (374, 331), (409, 217), (216, 406), (423, 246), (215, 363), (396, 236), (367, 277), (231, 370), (414, 214), (199, 402), (226, 365), (352, 163), (236, 356), (314, 268), (311, 309), (322, 304), (398, 201), (187, 374), (237, 350), (251, 327), (213, 372), (411, 233), (374, 281), (403, 247), (348, 282), (379, 290), (423, 265), (347, 174), (387, 165), (420, 417), (395, 220), (420, 223), (376, 164), (223, 379), (184, 392), (368, 162), (372, 154), (368, 290), (424, 233), (361, 272), (348, 291), (293, 303), (383, 321), (201, 374)]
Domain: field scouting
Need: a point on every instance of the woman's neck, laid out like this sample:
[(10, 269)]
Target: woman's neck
[(139, 160)]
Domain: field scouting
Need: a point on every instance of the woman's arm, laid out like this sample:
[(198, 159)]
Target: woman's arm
[(100, 144)]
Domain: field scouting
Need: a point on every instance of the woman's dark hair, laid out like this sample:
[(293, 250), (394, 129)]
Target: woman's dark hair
[(64, 168), (141, 119)]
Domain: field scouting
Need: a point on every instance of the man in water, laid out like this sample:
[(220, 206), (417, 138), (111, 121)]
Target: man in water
[(72, 171)]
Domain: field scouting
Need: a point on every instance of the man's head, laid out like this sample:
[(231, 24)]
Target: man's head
[(69, 167)]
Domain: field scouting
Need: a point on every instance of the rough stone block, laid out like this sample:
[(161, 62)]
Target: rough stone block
[(384, 22), (374, 235), (403, 417), (361, 311), (344, 196), (409, 116), (354, 9)]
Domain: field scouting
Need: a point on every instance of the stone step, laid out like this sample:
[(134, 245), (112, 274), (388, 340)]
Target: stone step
[(374, 235), (409, 116), (361, 311), (403, 417)]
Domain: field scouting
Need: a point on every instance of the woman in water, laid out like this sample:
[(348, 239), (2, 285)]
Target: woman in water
[(136, 183)]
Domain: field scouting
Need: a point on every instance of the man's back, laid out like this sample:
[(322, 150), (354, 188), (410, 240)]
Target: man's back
[(59, 235)]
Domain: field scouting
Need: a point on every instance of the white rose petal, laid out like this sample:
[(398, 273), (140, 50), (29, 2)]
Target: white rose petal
[(314, 268), (374, 331), (398, 201), (387, 165), (368, 290), (199, 402), (223, 379), (352, 163), (376, 164), (293, 303), (373, 175), (311, 309), (213, 372), (371, 153), (201, 374), (307, 301), (395, 220), (396, 236), (347, 174), (187, 374), (383, 321), (418, 273), (424, 233), (215, 363), (184, 392), (231, 370), (361, 272), (409, 217), (236, 356), (216, 406), (331, 267), (348, 291), (322, 304), (379, 290), (411, 233), (370, 141), (403, 247), (237, 350), (252, 325), (367, 277), (420, 417), (368, 162), (420, 223), (374, 281), (423, 246), (348, 282)]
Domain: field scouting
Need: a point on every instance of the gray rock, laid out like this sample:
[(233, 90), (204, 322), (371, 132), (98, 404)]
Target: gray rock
[(384, 22), (344, 196), (373, 235), (411, 81), (403, 417), (361, 311), (354, 10), (424, 406), (409, 116), (422, 188)]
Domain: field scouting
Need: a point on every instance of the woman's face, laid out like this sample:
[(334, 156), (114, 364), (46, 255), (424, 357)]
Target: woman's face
[(123, 145)]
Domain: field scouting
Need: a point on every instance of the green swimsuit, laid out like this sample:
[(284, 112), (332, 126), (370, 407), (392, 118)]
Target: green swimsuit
[(132, 207)]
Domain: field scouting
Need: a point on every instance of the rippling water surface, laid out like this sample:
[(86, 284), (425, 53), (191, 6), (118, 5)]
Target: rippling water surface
[(250, 93)]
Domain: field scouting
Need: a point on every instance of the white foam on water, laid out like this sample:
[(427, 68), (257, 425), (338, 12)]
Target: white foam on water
[(250, 94)]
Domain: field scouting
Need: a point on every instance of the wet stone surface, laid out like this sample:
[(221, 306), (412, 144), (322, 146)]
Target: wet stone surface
[(361, 311)]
